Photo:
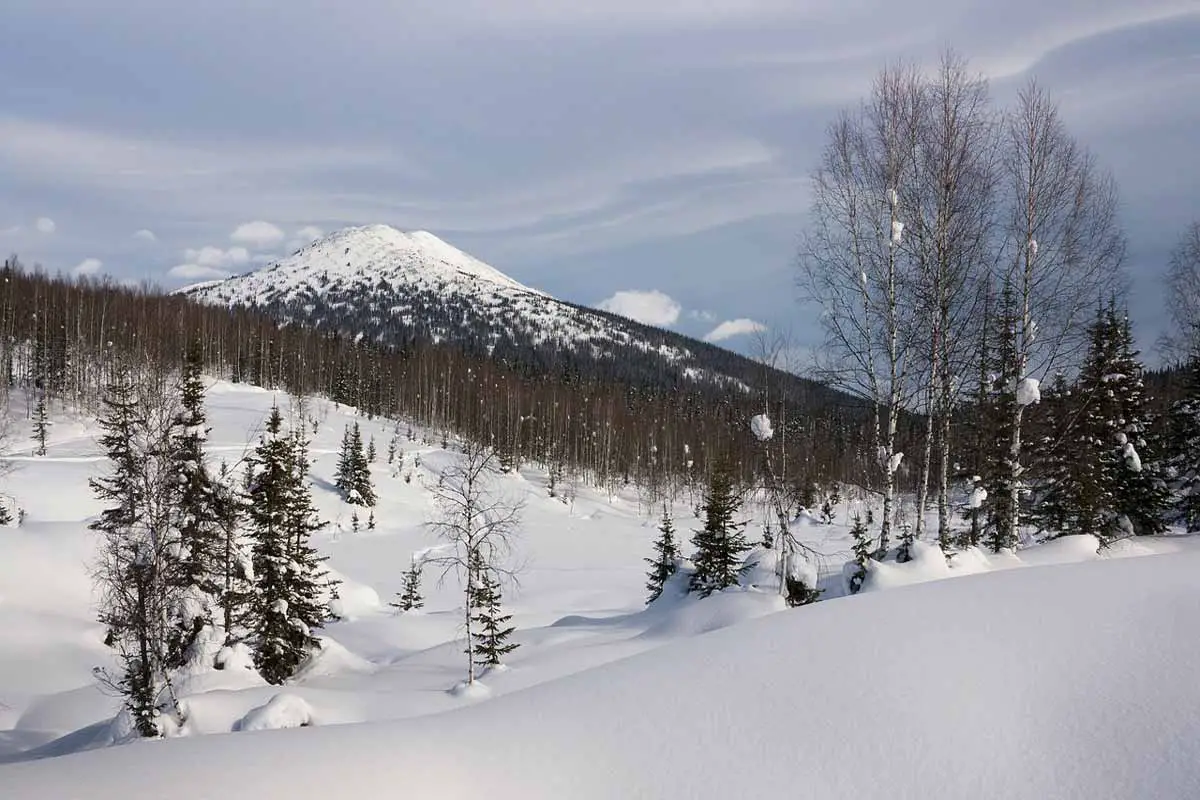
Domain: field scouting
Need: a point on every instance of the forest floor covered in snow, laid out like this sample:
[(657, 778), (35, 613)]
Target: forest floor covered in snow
[(1070, 680)]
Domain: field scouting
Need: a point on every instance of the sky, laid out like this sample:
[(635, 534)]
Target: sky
[(647, 157)]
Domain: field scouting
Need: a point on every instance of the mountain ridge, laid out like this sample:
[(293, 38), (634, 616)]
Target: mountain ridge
[(396, 288)]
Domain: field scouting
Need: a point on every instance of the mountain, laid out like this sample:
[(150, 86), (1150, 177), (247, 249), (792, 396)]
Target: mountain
[(396, 288)]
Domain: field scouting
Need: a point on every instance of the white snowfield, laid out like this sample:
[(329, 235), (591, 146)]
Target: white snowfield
[(1069, 682), (1071, 679)]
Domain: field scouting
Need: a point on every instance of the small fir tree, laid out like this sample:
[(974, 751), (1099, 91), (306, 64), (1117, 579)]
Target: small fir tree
[(41, 424), (665, 560), (410, 591), (862, 547), (491, 630), (721, 544), (289, 581)]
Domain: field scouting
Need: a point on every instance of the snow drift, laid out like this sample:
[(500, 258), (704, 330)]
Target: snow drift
[(1075, 681)]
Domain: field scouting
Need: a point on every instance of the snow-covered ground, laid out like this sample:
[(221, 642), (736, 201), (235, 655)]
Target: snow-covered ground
[(1070, 680)]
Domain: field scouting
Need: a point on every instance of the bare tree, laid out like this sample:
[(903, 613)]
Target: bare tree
[(1182, 342), (1064, 250), (138, 566), (952, 227), (853, 265), (477, 523)]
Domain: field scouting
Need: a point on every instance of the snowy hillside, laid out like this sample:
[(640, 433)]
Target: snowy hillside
[(395, 287), (1071, 680)]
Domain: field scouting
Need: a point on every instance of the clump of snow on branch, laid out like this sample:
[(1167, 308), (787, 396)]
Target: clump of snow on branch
[(1029, 391), (897, 231), (978, 497), (760, 426), (1033, 248), (1133, 461), (893, 198)]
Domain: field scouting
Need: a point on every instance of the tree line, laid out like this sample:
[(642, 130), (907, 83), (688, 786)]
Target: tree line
[(969, 261)]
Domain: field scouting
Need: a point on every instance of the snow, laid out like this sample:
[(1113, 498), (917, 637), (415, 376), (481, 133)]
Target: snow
[(1133, 461), (977, 497), (1029, 391), (972, 676), (283, 711), (894, 462), (760, 426), (994, 687), (897, 231)]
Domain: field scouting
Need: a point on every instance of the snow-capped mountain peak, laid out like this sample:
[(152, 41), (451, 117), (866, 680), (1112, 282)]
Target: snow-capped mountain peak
[(391, 287), (366, 255)]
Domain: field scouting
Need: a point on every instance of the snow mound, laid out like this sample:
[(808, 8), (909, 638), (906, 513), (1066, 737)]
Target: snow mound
[(333, 659), (282, 711), (354, 600), (1070, 682), (471, 691)]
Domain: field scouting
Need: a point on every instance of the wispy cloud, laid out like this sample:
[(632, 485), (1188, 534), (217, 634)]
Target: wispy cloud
[(733, 327)]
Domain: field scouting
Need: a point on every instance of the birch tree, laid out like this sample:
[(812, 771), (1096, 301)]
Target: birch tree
[(477, 525), (852, 263), (1064, 250)]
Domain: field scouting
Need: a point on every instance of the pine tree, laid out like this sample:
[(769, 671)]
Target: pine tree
[(358, 487), (391, 451), (1051, 453), (288, 579), (829, 507), (1093, 448), (41, 424), (206, 513), (720, 544), (138, 554), (491, 630), (999, 473), (1181, 444), (371, 454), (343, 476), (862, 548), (234, 569), (410, 592), (1140, 491), (666, 557)]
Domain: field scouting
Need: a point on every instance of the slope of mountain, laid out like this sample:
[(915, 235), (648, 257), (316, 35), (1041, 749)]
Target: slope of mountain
[(396, 288)]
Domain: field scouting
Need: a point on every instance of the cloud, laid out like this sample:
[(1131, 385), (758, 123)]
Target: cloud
[(703, 316), (210, 256), (650, 308), (259, 234), (197, 272), (309, 233), (13, 231), (212, 262), (733, 327), (45, 225), (145, 235), (89, 266)]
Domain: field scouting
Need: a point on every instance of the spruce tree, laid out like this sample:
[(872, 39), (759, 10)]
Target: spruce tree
[(288, 579), (1053, 456), (140, 546), (41, 424), (206, 513), (1093, 448), (666, 556), (410, 591), (343, 476), (371, 453), (862, 548), (1141, 492), (998, 472), (721, 544), (1181, 442), (491, 629)]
